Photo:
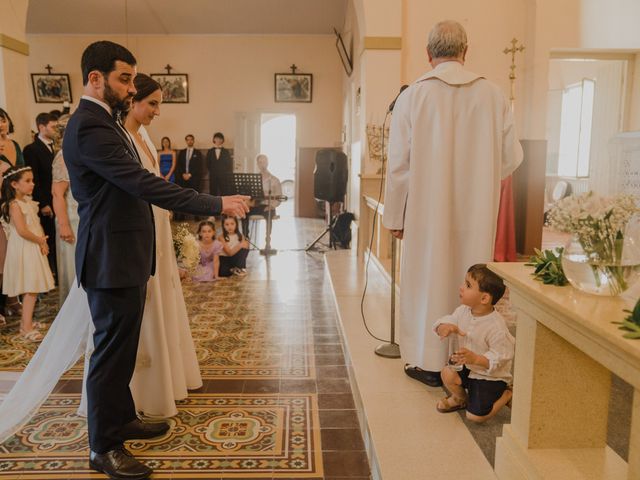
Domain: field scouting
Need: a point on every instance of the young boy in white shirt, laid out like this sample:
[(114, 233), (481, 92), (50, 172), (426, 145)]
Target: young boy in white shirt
[(486, 352)]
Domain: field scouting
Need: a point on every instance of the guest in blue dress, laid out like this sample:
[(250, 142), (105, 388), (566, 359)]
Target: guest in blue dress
[(167, 158)]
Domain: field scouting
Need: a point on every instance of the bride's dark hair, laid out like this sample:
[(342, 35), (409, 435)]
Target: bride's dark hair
[(145, 86)]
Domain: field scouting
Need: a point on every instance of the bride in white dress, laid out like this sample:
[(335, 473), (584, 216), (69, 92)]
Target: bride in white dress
[(166, 365)]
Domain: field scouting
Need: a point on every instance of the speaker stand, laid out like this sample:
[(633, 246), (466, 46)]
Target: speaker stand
[(328, 230)]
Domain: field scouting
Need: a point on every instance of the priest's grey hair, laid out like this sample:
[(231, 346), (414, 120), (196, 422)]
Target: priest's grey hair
[(447, 39)]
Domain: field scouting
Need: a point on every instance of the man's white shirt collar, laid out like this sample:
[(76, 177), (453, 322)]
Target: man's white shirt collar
[(47, 141), (99, 102)]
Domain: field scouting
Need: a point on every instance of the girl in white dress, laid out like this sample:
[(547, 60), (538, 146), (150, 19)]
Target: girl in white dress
[(26, 270)]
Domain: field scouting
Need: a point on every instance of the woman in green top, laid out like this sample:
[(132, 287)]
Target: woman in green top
[(11, 156)]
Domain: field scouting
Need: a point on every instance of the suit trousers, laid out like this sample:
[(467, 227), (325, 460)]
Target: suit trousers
[(117, 317)]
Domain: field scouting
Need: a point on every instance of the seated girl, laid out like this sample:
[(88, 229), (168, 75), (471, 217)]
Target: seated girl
[(235, 248), (210, 249)]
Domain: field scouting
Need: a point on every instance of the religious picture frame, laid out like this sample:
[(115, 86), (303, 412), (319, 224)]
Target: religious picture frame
[(175, 87), (293, 87), (51, 87), (345, 58)]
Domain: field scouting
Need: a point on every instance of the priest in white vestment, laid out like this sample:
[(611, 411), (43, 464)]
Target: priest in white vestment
[(452, 139)]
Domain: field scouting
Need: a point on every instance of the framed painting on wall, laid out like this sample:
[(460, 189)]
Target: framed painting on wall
[(293, 87), (51, 87), (175, 87)]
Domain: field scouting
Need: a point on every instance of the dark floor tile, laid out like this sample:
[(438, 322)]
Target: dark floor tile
[(325, 330), (323, 322), (327, 349), (333, 371), (347, 478), (69, 386), (261, 386), (334, 385), (345, 464), (327, 339), (223, 386), (339, 419), (330, 359), (341, 439), (335, 401), (298, 386)]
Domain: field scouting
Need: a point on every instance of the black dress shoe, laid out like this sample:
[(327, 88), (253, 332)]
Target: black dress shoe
[(432, 379), (119, 464), (137, 429)]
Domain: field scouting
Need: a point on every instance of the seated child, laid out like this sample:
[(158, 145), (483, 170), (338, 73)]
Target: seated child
[(486, 356), (210, 248), (235, 249)]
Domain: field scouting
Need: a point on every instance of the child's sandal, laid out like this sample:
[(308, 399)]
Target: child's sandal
[(447, 406), (3, 321), (33, 336)]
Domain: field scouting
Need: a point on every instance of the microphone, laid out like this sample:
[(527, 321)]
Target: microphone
[(393, 104)]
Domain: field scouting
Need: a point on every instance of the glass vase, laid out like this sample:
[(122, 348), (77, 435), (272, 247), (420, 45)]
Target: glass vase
[(600, 274)]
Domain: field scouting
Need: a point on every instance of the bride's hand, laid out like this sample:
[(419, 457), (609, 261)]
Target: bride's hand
[(66, 234)]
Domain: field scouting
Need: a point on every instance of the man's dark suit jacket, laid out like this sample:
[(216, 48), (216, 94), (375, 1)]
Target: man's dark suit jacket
[(218, 167), (116, 236), (38, 156), (195, 169)]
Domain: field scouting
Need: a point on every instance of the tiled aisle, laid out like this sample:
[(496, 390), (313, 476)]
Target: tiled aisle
[(276, 400)]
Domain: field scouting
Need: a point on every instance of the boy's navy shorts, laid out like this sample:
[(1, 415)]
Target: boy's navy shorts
[(482, 394)]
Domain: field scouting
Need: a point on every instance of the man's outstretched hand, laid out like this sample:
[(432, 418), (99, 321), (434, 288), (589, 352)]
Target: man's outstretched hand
[(235, 205)]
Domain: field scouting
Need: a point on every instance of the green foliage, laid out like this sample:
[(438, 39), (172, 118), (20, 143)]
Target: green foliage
[(631, 324), (548, 268)]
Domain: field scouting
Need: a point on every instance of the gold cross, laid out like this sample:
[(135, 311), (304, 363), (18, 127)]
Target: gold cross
[(512, 74)]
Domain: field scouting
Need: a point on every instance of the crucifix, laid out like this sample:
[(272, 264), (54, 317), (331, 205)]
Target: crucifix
[(293, 68), (168, 68), (48, 68), (512, 75)]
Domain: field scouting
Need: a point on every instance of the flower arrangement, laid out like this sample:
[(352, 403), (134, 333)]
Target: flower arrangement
[(186, 247), (598, 224)]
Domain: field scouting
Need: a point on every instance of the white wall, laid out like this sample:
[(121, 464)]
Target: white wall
[(490, 26), (227, 74)]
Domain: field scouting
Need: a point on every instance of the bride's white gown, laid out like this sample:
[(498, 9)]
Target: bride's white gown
[(166, 365)]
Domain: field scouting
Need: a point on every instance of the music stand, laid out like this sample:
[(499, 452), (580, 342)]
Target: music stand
[(242, 184), (249, 184)]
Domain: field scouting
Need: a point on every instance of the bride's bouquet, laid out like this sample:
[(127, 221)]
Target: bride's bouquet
[(186, 248)]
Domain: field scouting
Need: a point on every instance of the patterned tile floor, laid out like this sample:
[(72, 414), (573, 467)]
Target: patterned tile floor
[(276, 401)]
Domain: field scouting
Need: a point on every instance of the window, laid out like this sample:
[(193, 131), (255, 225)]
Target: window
[(575, 129)]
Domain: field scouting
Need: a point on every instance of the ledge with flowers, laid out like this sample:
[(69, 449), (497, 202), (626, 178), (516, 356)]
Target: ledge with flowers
[(567, 345)]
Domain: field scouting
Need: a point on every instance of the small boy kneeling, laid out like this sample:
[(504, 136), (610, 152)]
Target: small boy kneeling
[(487, 353)]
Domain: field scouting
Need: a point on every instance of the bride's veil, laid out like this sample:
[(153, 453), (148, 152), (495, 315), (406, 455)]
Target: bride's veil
[(66, 341)]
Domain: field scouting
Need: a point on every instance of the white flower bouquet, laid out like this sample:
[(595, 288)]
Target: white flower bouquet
[(186, 248), (598, 224)]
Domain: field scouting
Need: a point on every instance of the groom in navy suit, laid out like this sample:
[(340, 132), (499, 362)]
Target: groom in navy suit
[(115, 252)]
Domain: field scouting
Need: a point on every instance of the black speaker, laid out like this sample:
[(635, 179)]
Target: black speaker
[(330, 175)]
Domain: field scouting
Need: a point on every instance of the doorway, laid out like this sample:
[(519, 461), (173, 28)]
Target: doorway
[(278, 142)]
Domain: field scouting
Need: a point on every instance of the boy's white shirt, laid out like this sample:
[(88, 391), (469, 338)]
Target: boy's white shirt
[(488, 336)]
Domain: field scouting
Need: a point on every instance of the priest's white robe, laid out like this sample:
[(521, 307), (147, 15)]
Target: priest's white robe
[(451, 141)]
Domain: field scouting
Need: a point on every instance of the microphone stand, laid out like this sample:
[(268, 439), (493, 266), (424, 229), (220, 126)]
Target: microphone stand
[(391, 349), (267, 250)]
